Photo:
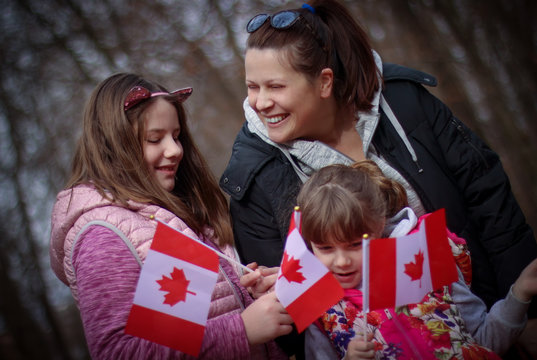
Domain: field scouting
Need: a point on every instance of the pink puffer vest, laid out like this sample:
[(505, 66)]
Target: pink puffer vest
[(77, 209)]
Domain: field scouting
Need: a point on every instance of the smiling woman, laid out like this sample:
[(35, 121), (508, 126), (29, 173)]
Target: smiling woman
[(284, 100)]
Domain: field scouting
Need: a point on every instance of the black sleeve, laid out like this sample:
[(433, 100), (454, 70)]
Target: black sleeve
[(495, 217), (257, 236), (261, 217)]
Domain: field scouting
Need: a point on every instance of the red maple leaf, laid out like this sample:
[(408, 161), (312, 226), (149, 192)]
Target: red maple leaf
[(415, 270), (176, 286), (290, 269)]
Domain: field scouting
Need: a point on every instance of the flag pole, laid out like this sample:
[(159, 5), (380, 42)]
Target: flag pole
[(365, 280), (297, 217), (152, 217)]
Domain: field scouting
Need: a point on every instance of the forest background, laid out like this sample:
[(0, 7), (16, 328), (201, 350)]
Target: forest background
[(54, 52)]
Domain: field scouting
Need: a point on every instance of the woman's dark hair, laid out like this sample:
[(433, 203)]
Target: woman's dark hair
[(328, 38)]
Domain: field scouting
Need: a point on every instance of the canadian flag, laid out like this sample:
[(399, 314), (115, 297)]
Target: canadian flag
[(172, 298), (305, 287), (402, 270)]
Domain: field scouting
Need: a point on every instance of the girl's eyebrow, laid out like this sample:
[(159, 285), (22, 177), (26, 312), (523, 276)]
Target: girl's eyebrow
[(160, 130)]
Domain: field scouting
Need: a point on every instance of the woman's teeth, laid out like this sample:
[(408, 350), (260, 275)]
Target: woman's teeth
[(275, 119)]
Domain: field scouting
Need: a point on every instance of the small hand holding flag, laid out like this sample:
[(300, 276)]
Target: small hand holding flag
[(305, 287)]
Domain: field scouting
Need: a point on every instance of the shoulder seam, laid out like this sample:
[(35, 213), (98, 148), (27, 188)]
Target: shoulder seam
[(109, 226), (398, 72)]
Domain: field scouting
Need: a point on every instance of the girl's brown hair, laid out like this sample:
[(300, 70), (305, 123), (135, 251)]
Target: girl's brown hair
[(328, 38), (339, 203), (109, 155)]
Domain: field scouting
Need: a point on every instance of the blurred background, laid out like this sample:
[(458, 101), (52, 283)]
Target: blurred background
[(54, 52)]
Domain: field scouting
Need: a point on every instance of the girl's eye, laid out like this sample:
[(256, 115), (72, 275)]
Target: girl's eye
[(153, 141), (355, 245)]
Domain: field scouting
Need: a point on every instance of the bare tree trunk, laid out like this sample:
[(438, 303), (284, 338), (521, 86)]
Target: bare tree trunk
[(29, 340)]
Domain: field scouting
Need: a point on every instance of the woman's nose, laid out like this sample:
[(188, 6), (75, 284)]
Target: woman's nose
[(263, 100)]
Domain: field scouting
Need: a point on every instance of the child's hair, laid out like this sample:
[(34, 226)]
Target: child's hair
[(109, 155), (328, 38), (339, 203)]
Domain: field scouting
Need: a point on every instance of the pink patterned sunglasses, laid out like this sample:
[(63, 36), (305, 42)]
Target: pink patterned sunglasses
[(139, 93)]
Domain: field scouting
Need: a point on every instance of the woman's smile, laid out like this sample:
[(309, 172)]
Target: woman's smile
[(289, 104), (274, 119)]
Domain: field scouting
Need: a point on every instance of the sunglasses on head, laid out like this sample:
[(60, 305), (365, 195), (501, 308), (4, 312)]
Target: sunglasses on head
[(284, 20), (139, 93), (280, 20)]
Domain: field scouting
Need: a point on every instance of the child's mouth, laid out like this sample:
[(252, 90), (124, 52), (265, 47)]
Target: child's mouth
[(345, 275)]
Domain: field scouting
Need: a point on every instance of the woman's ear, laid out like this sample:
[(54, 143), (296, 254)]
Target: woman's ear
[(326, 82)]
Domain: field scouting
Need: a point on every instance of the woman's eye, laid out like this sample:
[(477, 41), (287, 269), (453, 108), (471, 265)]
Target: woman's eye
[(153, 141)]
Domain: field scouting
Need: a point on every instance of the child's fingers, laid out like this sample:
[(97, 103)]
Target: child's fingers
[(252, 265), (266, 271), (250, 279), (360, 349)]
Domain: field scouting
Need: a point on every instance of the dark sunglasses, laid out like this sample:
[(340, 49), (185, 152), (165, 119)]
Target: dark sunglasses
[(139, 93), (280, 20)]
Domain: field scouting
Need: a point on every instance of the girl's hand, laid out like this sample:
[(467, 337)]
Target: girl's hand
[(261, 281), (266, 319), (360, 349), (525, 286)]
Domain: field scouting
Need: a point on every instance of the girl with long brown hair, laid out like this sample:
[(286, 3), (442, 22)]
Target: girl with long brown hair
[(136, 163)]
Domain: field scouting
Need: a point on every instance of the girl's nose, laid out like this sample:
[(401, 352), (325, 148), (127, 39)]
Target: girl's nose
[(342, 259), (174, 149)]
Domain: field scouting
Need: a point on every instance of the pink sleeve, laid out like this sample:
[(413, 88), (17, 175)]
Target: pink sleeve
[(107, 274)]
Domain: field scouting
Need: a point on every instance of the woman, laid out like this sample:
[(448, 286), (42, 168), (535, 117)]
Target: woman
[(137, 163), (318, 95)]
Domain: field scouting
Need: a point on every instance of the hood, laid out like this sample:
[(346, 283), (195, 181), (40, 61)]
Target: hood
[(401, 224)]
